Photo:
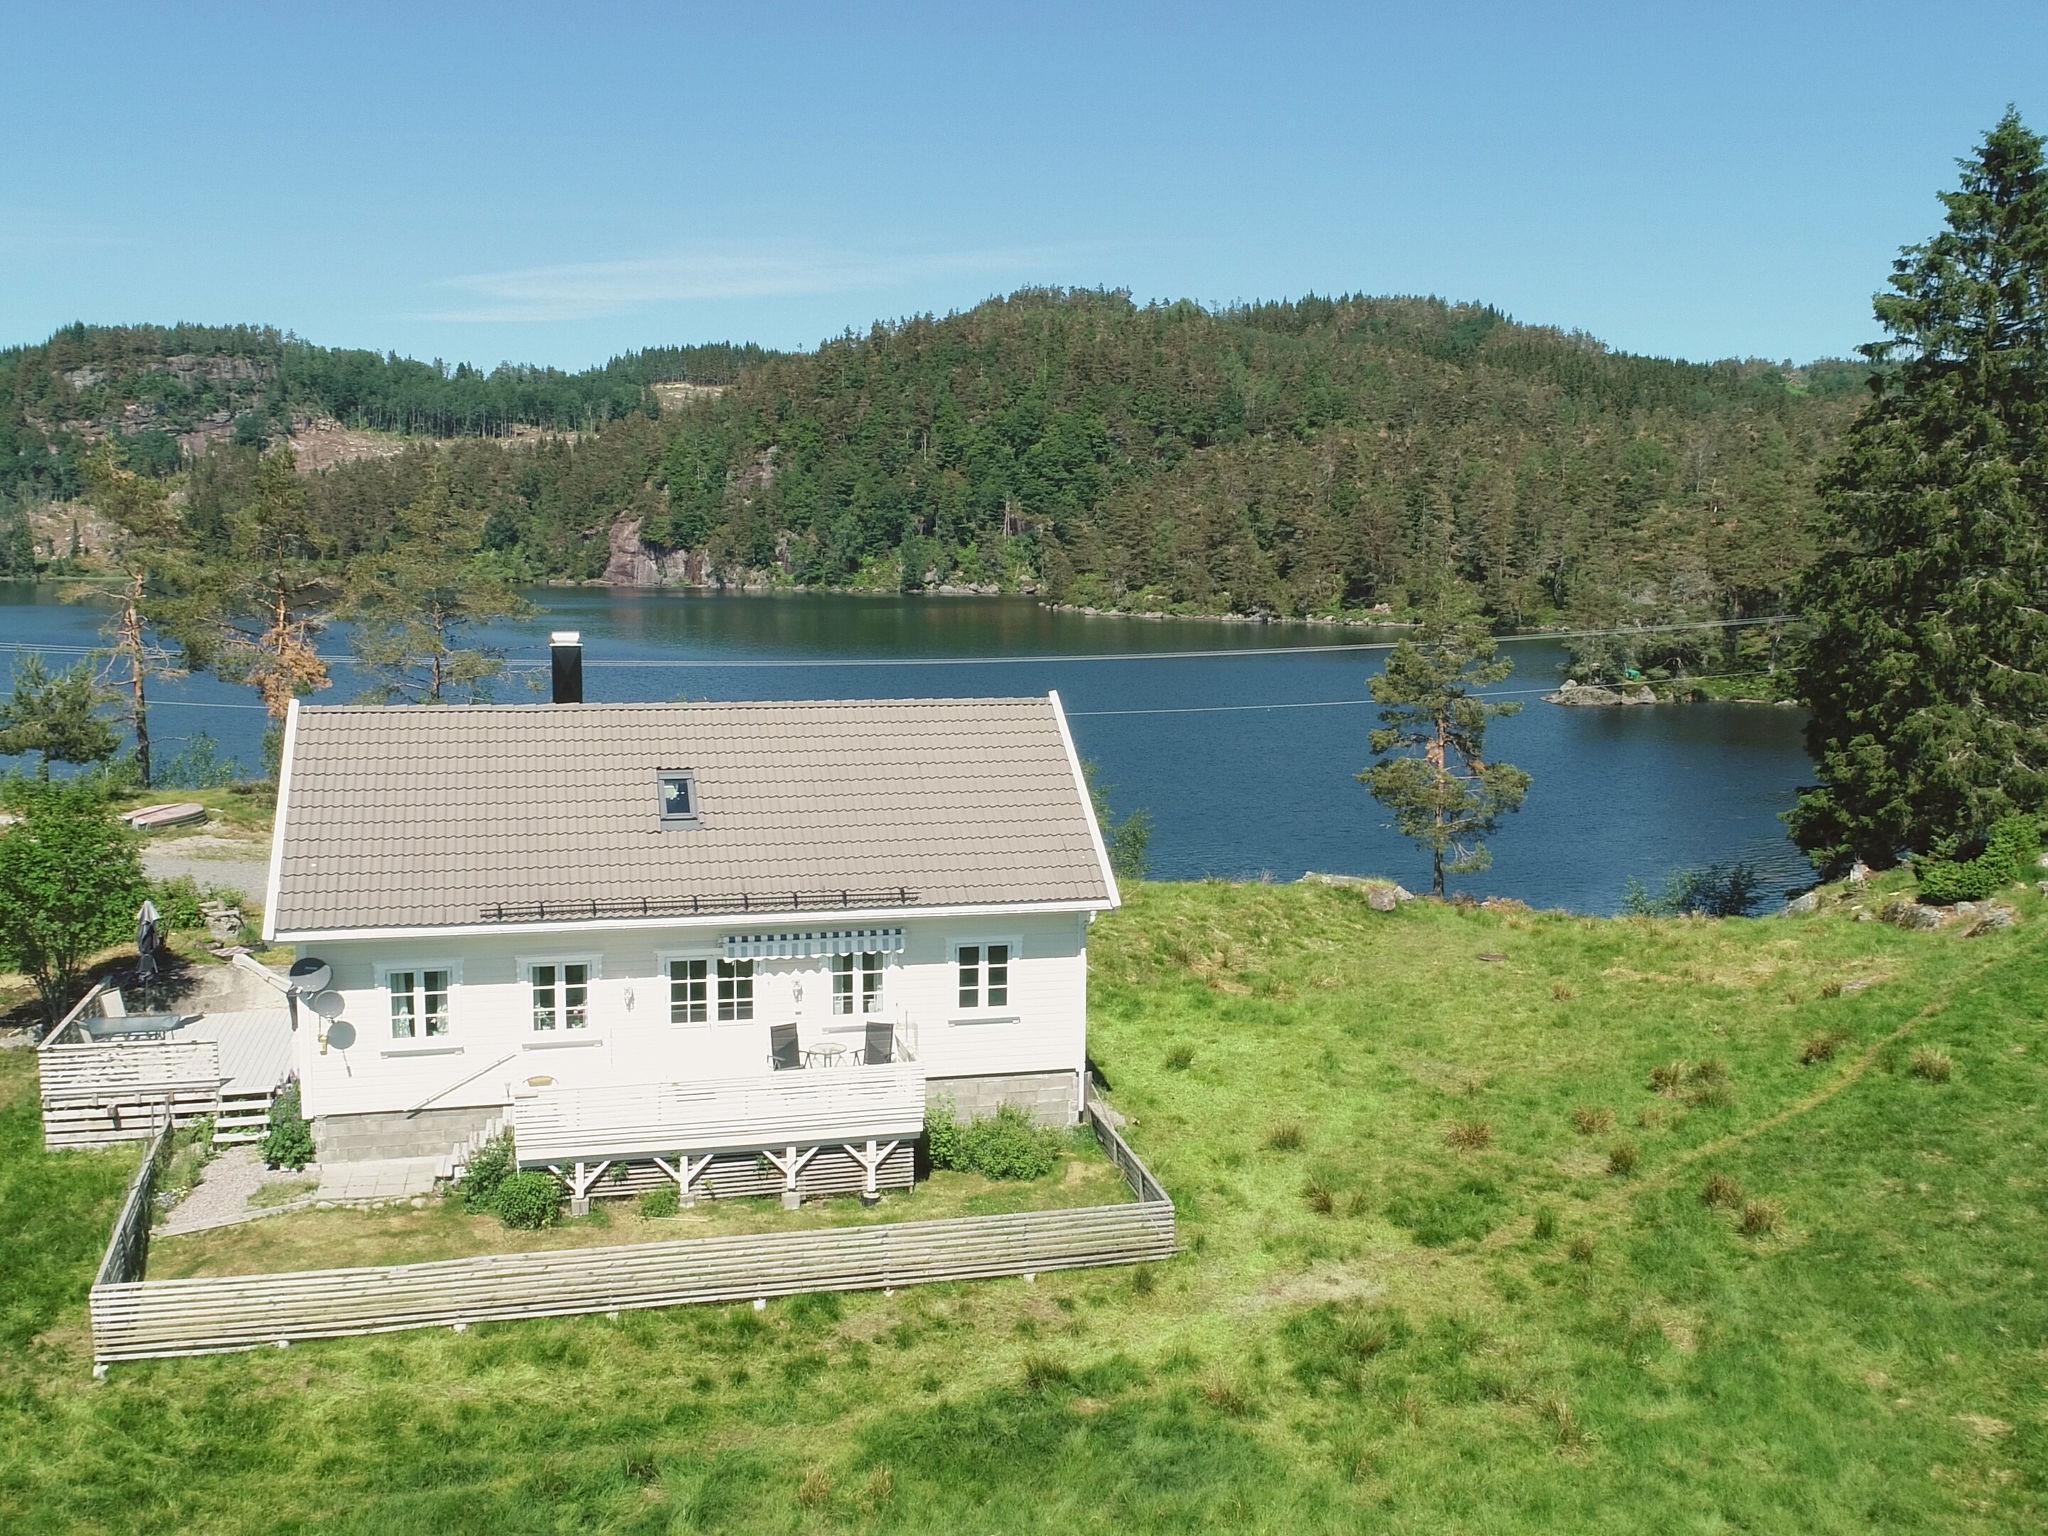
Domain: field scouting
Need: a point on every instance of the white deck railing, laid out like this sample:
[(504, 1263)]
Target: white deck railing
[(772, 1110)]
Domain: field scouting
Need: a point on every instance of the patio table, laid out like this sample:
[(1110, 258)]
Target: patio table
[(828, 1053)]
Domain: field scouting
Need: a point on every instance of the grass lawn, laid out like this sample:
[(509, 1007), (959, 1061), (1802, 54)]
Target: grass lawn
[(1419, 1296), (444, 1230), (234, 813)]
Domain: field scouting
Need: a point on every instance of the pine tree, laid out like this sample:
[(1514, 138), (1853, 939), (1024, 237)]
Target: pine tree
[(416, 601), (261, 603), (55, 715), (1926, 675), (1433, 774), (149, 556)]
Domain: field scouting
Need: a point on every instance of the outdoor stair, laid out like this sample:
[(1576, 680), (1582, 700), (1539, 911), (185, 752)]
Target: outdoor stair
[(243, 1117), (452, 1167)]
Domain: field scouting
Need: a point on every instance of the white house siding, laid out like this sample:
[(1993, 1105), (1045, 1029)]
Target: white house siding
[(1038, 1040)]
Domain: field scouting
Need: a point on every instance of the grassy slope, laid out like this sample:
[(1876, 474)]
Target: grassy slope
[(1417, 1359)]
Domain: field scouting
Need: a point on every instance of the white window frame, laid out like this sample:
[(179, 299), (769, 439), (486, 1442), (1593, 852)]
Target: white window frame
[(981, 1007), (718, 1003), (561, 1028), (862, 1002), (704, 957), (418, 969)]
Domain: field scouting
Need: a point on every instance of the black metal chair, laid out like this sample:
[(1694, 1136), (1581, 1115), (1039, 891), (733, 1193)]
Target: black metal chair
[(880, 1048), (783, 1051)]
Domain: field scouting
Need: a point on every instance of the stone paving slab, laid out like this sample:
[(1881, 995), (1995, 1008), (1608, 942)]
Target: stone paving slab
[(395, 1178)]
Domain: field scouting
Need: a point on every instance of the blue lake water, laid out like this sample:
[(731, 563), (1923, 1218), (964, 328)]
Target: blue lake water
[(1243, 793)]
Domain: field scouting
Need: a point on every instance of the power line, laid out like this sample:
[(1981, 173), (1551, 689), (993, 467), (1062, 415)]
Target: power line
[(1226, 654), (1223, 654), (1079, 714), (1236, 709)]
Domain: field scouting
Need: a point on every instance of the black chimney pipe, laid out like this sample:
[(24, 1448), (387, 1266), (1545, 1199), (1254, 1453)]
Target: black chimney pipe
[(566, 647)]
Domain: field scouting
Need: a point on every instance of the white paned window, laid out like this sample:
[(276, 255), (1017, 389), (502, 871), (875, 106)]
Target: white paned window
[(857, 983), (984, 975), (561, 993), (419, 1002), (735, 991), (689, 989)]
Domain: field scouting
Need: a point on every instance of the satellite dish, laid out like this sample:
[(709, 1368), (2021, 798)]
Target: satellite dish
[(327, 1004), (311, 975), (341, 1034)]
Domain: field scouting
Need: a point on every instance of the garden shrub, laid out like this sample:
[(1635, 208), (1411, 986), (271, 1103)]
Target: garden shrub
[(289, 1141), (528, 1201), (1004, 1145), (661, 1202), (944, 1136), (489, 1166), (1007, 1145), (177, 902)]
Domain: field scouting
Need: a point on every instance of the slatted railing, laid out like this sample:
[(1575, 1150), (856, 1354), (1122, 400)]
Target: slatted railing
[(96, 1094), (796, 1108)]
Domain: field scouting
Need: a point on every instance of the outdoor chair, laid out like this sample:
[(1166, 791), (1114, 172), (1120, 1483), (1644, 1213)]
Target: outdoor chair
[(880, 1048), (783, 1053)]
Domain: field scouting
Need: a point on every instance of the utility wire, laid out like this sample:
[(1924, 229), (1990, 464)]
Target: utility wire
[(1235, 709), (1226, 654), (1078, 714)]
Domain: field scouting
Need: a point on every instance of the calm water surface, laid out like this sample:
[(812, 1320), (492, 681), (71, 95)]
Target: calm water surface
[(1267, 792)]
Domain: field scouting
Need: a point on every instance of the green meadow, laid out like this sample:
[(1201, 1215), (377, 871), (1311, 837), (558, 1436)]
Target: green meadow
[(1495, 1221)]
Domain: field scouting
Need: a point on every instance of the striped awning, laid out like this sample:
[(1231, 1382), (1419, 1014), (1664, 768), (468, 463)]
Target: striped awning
[(811, 945)]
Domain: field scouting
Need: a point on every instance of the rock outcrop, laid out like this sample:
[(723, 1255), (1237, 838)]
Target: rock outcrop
[(634, 562), (1578, 695)]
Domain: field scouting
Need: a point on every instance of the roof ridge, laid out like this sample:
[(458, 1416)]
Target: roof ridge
[(664, 706)]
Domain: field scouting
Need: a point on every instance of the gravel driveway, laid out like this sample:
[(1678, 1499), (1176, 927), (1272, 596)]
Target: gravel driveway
[(222, 1194), (223, 861)]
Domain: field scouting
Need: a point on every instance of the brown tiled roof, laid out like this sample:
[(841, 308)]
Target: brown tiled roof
[(422, 817)]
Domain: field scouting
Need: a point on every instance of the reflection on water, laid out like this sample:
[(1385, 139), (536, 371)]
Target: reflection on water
[(1239, 794)]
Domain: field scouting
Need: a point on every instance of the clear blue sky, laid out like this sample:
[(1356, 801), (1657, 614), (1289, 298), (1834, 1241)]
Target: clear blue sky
[(558, 183)]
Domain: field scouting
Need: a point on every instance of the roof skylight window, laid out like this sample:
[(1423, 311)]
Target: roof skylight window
[(678, 796)]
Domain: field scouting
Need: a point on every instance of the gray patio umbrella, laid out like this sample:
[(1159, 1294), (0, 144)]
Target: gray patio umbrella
[(147, 937)]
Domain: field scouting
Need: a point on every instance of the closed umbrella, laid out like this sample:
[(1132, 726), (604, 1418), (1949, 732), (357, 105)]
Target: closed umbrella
[(148, 935)]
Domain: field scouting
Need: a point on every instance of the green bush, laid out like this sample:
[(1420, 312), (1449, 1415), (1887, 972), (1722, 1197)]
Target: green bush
[(1944, 882), (661, 1202), (528, 1201), (2009, 852), (177, 899), (1004, 1145), (289, 1141), (489, 1166), (945, 1138), (1007, 1145)]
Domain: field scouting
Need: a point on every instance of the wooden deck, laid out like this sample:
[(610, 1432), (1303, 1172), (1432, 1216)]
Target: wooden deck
[(774, 1111)]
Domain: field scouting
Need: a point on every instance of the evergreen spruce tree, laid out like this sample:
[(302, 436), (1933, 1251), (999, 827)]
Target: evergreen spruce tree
[(1926, 674), (1432, 773)]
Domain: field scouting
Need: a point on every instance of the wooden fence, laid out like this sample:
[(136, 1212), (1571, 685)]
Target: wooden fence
[(128, 1248), (134, 1319)]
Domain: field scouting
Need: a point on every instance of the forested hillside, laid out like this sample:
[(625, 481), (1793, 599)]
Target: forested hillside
[(1304, 458), (166, 393)]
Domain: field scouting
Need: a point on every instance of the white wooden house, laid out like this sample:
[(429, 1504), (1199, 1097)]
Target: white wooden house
[(736, 945)]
